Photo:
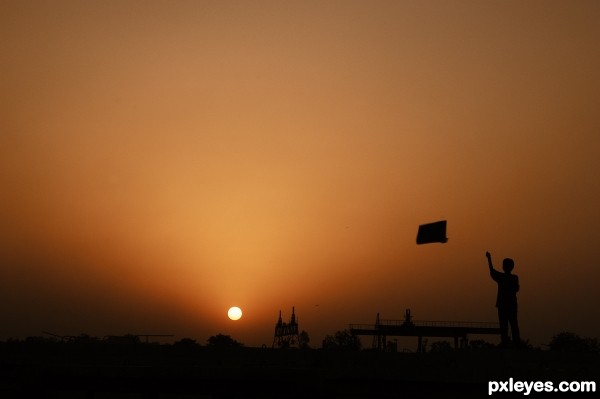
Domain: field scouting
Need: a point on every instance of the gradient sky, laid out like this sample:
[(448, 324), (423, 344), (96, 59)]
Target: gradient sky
[(161, 161)]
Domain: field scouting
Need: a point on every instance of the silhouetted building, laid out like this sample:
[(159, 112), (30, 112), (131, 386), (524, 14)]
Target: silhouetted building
[(286, 334)]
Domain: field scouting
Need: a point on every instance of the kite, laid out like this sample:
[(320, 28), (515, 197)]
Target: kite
[(432, 232)]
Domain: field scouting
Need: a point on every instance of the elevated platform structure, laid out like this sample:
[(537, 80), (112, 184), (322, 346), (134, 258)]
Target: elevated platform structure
[(458, 330)]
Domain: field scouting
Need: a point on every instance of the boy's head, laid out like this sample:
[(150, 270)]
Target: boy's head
[(508, 265)]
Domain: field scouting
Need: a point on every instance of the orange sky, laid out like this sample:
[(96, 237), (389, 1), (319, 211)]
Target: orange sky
[(161, 161)]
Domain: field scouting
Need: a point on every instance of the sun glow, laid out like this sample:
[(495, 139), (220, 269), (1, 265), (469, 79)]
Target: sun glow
[(234, 313)]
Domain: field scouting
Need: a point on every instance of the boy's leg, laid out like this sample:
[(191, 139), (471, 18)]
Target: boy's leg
[(514, 326), (503, 320)]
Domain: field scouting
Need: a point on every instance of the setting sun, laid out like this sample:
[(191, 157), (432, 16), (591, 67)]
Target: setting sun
[(234, 313)]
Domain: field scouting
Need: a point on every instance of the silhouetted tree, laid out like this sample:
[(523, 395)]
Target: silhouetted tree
[(342, 340), (329, 342), (571, 342), (85, 339), (480, 344), (223, 341), (440, 346), (127, 339), (40, 340), (303, 340), (186, 343)]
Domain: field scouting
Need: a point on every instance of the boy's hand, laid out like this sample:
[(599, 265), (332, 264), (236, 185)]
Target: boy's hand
[(488, 255)]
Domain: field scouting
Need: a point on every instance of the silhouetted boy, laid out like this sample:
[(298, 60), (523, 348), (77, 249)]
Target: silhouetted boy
[(506, 301)]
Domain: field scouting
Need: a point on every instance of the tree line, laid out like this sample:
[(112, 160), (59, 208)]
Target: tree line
[(340, 340)]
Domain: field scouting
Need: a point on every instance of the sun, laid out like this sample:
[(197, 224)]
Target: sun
[(234, 313)]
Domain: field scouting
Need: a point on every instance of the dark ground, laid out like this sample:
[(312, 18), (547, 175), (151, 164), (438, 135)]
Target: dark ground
[(99, 370)]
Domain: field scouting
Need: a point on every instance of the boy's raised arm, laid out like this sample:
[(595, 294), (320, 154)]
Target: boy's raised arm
[(489, 259)]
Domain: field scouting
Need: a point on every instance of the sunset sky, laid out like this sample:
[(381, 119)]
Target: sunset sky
[(161, 161)]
